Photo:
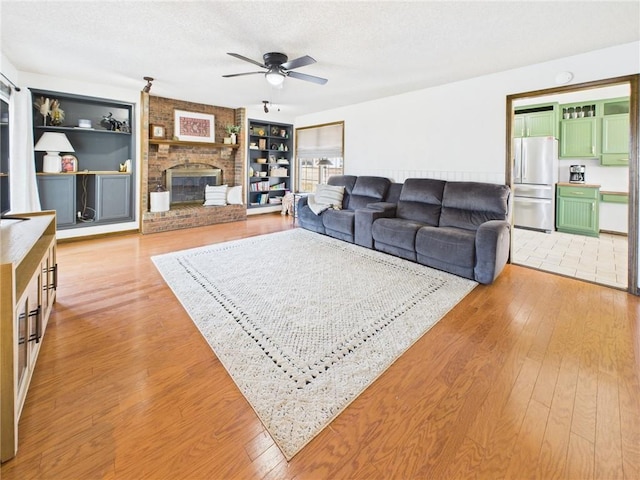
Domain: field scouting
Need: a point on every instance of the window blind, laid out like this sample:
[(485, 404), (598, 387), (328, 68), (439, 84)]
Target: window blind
[(320, 142)]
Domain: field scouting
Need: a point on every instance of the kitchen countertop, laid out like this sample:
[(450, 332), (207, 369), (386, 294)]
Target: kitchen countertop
[(610, 192), (569, 184)]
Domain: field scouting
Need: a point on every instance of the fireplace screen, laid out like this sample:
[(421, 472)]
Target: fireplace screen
[(186, 185)]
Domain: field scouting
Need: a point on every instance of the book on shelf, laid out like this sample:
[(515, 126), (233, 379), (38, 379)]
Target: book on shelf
[(259, 186)]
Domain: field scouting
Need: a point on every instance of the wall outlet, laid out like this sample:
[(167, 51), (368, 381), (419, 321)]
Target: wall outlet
[(79, 214)]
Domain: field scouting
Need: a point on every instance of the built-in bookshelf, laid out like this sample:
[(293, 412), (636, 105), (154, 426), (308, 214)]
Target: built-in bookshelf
[(269, 154)]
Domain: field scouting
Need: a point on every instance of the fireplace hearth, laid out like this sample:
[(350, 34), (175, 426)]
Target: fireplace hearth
[(186, 184)]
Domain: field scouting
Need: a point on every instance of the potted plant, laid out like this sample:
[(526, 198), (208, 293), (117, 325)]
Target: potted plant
[(233, 131)]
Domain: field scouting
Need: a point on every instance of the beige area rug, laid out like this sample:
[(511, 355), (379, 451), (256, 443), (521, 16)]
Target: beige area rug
[(304, 323)]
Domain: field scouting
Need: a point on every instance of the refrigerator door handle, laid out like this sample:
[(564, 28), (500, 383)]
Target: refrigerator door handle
[(517, 160), (523, 161)]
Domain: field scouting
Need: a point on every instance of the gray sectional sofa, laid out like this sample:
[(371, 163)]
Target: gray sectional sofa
[(462, 228)]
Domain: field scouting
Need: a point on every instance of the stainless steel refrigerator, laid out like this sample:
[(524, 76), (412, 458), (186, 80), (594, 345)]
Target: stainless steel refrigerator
[(535, 172)]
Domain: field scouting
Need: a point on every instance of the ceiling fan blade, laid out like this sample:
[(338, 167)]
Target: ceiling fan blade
[(308, 78), (242, 57), (241, 74), (298, 62)]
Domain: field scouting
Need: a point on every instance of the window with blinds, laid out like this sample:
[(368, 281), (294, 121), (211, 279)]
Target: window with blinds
[(319, 154)]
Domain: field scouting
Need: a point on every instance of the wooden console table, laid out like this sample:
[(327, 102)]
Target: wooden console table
[(28, 279)]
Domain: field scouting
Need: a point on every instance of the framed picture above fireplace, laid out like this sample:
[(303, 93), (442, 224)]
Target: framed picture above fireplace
[(194, 127)]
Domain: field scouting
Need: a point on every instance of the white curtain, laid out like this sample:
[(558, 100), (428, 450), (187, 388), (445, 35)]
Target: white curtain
[(22, 167)]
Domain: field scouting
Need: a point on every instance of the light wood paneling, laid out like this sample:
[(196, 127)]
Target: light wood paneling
[(535, 376)]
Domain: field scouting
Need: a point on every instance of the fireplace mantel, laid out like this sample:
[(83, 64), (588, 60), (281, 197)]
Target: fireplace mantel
[(183, 143)]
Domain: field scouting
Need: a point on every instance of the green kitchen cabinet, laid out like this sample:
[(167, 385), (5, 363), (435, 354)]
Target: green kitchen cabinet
[(535, 124), (577, 210), (615, 140), (579, 138)]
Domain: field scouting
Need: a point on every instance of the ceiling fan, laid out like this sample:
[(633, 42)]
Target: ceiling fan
[(278, 67)]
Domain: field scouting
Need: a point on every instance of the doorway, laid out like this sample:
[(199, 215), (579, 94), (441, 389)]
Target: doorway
[(612, 254)]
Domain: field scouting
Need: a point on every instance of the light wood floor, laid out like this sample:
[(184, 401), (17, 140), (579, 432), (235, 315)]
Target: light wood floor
[(535, 376)]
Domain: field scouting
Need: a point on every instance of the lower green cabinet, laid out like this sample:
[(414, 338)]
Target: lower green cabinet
[(577, 210)]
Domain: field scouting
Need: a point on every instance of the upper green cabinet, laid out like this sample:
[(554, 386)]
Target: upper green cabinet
[(602, 132), (578, 137), (615, 132), (537, 121)]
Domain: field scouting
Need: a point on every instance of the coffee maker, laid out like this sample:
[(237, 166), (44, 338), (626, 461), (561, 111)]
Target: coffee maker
[(576, 174)]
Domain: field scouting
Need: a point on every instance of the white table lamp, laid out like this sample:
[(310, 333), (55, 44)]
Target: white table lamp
[(53, 143)]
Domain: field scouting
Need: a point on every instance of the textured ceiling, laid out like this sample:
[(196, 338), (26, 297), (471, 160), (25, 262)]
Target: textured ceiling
[(367, 49)]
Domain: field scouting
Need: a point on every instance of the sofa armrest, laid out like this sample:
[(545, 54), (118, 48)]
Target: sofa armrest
[(493, 240), (302, 201), (364, 219)]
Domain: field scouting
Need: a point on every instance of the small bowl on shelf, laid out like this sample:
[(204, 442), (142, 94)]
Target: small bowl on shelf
[(263, 174), (261, 160)]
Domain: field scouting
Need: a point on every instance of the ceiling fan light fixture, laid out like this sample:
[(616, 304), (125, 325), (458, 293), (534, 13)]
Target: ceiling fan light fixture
[(274, 77)]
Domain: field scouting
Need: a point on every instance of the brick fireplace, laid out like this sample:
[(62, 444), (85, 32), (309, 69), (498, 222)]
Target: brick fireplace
[(186, 184), (160, 157)]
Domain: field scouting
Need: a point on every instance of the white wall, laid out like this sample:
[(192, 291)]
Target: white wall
[(7, 68), (455, 131)]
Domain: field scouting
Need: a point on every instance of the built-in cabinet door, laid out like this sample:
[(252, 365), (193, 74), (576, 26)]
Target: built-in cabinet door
[(113, 197), (29, 334), (49, 280), (536, 124), (615, 134), (22, 354), (35, 317), (519, 126), (577, 210), (58, 192), (541, 124), (578, 138), (615, 140)]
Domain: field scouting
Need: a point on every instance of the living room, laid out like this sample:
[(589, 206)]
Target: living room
[(400, 135)]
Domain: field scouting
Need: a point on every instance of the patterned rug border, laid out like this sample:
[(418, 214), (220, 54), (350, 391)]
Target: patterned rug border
[(284, 390)]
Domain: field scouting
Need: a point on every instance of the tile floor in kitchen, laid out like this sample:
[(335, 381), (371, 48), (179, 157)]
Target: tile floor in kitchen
[(601, 260)]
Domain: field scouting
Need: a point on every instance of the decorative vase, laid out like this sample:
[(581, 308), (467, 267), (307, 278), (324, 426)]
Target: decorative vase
[(233, 138)]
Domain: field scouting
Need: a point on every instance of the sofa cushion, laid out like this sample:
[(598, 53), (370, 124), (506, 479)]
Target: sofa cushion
[(393, 195), (215, 195), (234, 195), (469, 204), (325, 197), (420, 200), (396, 231), (339, 221), (367, 190), (449, 245), (346, 181)]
